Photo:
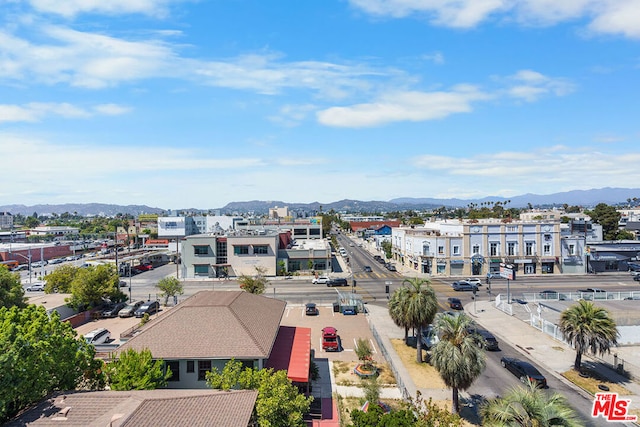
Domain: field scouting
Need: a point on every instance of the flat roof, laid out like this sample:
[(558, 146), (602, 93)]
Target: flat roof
[(292, 352)]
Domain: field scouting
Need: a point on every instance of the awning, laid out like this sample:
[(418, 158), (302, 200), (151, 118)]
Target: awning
[(456, 261), (292, 352)]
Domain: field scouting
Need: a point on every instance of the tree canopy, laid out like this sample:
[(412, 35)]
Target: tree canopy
[(588, 327), (133, 370), (608, 217), (92, 285), (170, 287), (279, 402), (11, 291), (256, 284), (39, 354)]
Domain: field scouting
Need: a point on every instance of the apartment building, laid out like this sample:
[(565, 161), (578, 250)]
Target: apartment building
[(478, 247)]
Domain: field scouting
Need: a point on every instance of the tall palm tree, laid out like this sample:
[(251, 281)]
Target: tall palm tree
[(457, 357), (588, 327), (529, 406), (414, 306)]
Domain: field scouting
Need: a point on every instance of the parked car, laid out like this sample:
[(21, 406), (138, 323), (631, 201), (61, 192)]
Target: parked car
[(330, 339), (98, 336), (338, 282), (349, 311), (113, 310), (391, 267), (56, 261), (550, 294), (130, 309), (367, 269), (455, 303), (463, 286), (149, 307), (429, 337), (381, 260), (21, 267), (321, 280), (524, 370), (593, 290), (311, 309), (36, 287), (486, 339), (38, 264), (636, 277), (142, 267)]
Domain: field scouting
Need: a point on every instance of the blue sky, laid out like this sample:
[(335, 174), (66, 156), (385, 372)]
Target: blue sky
[(177, 103)]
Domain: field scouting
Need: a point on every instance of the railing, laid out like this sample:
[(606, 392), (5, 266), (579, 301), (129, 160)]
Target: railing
[(390, 360), (575, 296)]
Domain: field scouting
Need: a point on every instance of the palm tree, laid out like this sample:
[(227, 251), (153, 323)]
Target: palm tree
[(457, 357), (529, 406), (588, 327), (414, 306)]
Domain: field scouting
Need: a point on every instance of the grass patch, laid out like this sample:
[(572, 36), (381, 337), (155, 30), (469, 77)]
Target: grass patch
[(591, 381), (423, 374), (558, 348), (344, 375)]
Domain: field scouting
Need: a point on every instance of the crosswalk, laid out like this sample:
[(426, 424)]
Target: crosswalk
[(386, 275)]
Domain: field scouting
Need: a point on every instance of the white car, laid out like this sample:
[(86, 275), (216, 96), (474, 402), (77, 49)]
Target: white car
[(98, 336), (35, 287), (321, 280), (473, 281)]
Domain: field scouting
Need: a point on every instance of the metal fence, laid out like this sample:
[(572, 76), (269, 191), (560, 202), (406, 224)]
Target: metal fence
[(390, 360)]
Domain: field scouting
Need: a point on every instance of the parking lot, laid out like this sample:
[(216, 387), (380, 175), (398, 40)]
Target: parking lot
[(350, 328)]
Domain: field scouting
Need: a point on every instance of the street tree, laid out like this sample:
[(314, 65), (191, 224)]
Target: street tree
[(416, 307), (588, 328), (60, 279), (528, 405), (457, 356), (256, 284), (608, 217), (41, 354), (279, 402), (11, 291), (92, 285), (398, 313), (170, 287), (133, 370)]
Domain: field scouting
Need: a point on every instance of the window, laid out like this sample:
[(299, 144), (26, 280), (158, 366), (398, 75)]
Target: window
[(529, 248), (299, 231), (456, 250), (241, 250), (572, 250), (547, 249), (512, 228), (511, 248), (191, 367), (475, 249), (170, 224), (493, 249), (174, 365), (201, 250), (201, 269), (204, 366), (314, 232), (261, 250), (440, 250)]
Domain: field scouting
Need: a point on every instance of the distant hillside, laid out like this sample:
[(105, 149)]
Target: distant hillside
[(585, 198), (83, 209)]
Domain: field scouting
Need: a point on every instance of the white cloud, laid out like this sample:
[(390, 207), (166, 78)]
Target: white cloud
[(530, 85), (404, 106), (602, 16), (71, 8), (36, 111)]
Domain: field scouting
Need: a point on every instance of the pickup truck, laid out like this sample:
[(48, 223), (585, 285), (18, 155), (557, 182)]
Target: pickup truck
[(330, 339)]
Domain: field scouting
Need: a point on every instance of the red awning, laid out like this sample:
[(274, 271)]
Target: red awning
[(292, 352)]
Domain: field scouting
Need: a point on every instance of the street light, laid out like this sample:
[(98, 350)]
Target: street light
[(27, 258)]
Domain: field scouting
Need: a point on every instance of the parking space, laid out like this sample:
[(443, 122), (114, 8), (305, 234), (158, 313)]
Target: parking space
[(350, 329)]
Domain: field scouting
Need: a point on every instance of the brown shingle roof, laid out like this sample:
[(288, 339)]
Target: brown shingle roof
[(213, 324), (143, 408)]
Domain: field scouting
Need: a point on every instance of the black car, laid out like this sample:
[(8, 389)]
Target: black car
[(486, 339), (464, 286), (311, 309), (367, 269), (636, 277), (390, 267), (113, 310), (524, 370), (554, 295), (338, 282), (455, 303), (149, 307)]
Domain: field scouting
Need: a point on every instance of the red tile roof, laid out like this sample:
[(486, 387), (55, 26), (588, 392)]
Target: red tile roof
[(373, 225)]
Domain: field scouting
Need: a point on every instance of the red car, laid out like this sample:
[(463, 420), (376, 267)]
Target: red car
[(143, 267), (330, 339)]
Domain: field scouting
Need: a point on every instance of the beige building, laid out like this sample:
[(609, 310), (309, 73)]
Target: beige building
[(478, 247)]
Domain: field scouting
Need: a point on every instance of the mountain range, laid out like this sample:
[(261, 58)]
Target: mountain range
[(585, 198)]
